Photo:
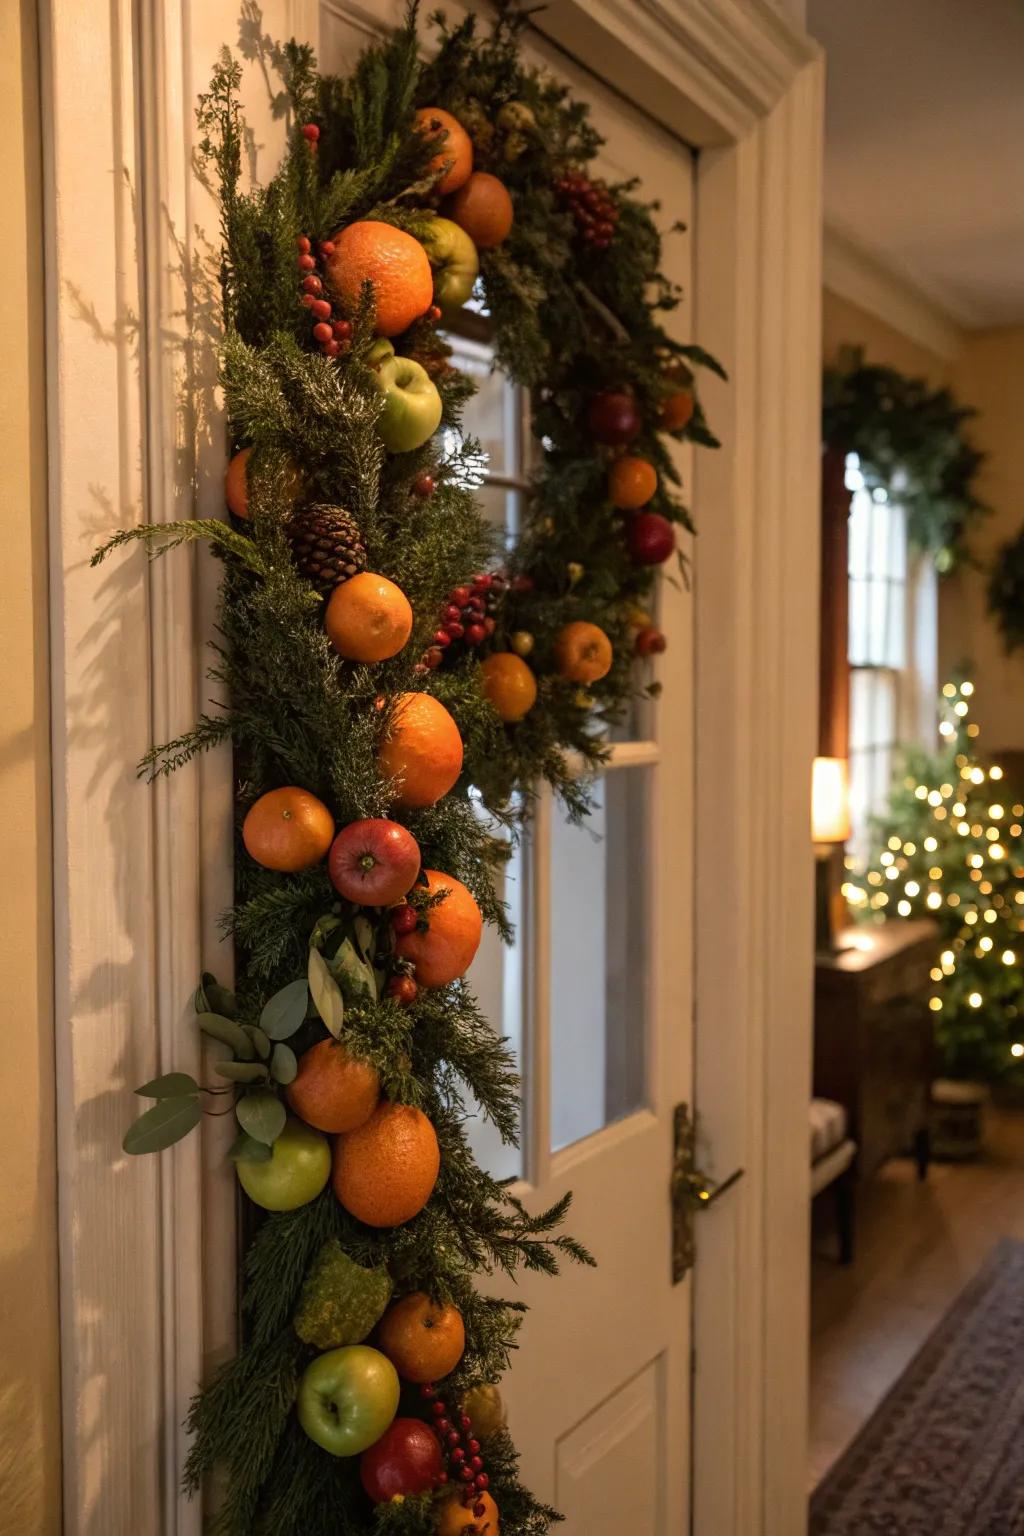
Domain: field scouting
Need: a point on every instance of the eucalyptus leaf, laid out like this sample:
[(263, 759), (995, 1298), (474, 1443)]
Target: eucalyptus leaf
[(259, 1040), (167, 1122), (219, 999), (241, 1071), (228, 1033), (323, 926), (262, 1115), (285, 1011), (326, 993), (246, 1149), (173, 1085), (200, 1001), (283, 1064)]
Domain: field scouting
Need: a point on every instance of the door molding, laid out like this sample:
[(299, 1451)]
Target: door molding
[(139, 872)]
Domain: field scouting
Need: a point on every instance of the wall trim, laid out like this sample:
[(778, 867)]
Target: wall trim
[(850, 273)]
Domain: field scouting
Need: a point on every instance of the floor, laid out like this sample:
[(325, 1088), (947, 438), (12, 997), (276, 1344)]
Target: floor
[(917, 1246)]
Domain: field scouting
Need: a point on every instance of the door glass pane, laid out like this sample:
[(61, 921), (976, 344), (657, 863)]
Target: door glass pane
[(599, 963), (496, 978)]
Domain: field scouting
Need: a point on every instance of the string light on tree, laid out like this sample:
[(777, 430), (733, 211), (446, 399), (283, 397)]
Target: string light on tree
[(953, 848)]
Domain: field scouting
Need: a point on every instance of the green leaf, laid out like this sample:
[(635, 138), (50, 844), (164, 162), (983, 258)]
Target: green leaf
[(285, 1011), (200, 1001), (242, 1071), (364, 935), (356, 976), (163, 1125), (326, 993), (173, 1085), (219, 999), (228, 1033), (246, 1149), (262, 1115), (259, 1040), (283, 1064)]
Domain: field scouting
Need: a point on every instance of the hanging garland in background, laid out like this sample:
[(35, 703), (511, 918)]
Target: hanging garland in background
[(377, 653), (1006, 592), (909, 439)]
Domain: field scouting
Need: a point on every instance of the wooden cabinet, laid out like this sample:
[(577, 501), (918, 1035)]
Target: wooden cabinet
[(873, 1037)]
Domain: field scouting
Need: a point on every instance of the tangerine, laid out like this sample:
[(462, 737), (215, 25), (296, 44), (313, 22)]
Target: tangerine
[(483, 208), (508, 683), (288, 829), (583, 652), (675, 412), (458, 1519), (236, 485), (385, 1171), (423, 751), (368, 618), (457, 147), (396, 265), (631, 483), (447, 935), (332, 1090), (423, 1341)]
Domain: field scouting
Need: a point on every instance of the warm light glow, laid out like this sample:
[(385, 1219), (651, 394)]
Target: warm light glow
[(1017, 1049), (862, 942), (991, 915), (1009, 958), (921, 791), (972, 731), (931, 843), (995, 772), (996, 812), (830, 800), (912, 888), (960, 709), (966, 689), (886, 858), (904, 908), (935, 1003), (935, 873), (946, 729), (985, 944), (998, 851), (974, 998), (934, 798), (909, 849), (949, 690), (969, 917), (934, 899), (977, 775), (947, 957)]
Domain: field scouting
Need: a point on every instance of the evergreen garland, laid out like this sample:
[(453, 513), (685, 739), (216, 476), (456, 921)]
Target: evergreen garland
[(568, 319), (910, 442), (1006, 592)]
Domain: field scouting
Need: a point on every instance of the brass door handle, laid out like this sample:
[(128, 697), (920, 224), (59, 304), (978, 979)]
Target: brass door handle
[(691, 1190)]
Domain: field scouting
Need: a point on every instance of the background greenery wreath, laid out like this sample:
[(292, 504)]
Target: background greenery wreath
[(324, 489)]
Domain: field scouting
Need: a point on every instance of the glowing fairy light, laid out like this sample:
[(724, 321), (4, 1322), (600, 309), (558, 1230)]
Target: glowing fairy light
[(974, 998), (904, 908), (931, 843), (933, 899), (1016, 1049), (967, 689), (935, 1004), (1008, 957)]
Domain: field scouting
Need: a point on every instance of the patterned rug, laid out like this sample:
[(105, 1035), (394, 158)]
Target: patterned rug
[(943, 1455)]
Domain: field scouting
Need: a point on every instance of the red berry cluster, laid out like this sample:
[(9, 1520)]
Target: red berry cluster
[(469, 615), (455, 1433), (592, 206), (331, 336)]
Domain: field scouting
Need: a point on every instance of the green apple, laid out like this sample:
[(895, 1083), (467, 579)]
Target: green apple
[(347, 1398), (412, 405), (296, 1171), (455, 261)]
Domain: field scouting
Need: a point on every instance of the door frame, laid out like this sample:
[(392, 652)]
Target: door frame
[(139, 874)]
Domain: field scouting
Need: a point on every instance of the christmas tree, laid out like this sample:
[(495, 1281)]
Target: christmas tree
[(951, 849)]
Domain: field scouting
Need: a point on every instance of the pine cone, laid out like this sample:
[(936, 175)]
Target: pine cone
[(325, 545)]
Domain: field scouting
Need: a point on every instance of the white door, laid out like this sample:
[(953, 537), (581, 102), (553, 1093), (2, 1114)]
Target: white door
[(597, 997)]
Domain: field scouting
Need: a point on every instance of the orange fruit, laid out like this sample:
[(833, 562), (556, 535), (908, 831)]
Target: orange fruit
[(507, 681), (483, 209), (675, 412), (423, 1341), (236, 486), (631, 483), (332, 1090), (457, 147), (445, 940), (458, 1519), (395, 263), (368, 618), (423, 751), (288, 829), (583, 652), (385, 1171)]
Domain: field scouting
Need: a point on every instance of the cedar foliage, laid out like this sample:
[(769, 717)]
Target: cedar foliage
[(567, 321)]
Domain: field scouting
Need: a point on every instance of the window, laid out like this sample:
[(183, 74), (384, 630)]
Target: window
[(583, 883), (891, 647)]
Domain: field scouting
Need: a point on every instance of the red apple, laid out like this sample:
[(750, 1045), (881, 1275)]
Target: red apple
[(405, 1460), (613, 417), (651, 538), (374, 862), (649, 641)]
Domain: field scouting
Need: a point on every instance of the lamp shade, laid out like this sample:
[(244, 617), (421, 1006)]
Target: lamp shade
[(830, 801)]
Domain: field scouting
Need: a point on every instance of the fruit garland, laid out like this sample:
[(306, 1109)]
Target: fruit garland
[(911, 445), (377, 654)]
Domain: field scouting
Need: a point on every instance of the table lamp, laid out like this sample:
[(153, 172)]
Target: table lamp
[(830, 828)]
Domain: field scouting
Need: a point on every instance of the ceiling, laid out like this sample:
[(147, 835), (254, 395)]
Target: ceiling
[(924, 156)]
